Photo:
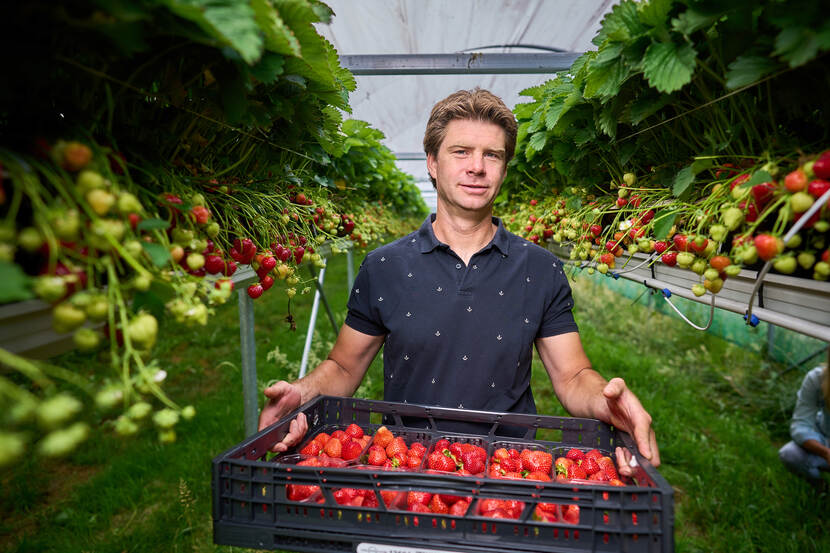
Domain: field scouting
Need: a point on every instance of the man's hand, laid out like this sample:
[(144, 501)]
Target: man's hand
[(627, 414), (283, 398)]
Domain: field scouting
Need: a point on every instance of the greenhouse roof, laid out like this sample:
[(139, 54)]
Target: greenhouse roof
[(399, 105)]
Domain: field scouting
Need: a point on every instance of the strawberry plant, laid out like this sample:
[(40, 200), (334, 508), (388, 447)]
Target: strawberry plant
[(170, 146), (655, 143)]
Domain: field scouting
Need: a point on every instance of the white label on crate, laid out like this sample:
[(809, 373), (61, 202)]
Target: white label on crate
[(386, 548)]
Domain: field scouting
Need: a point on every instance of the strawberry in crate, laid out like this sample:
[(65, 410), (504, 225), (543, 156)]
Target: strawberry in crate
[(464, 459), (392, 452), (441, 504), (341, 444), (527, 464), (500, 508), (587, 467)]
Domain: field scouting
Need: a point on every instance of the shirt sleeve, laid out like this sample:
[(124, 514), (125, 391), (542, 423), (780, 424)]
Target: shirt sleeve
[(808, 403), (361, 316), (558, 316)]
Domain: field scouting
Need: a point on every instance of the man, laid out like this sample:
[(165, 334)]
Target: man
[(460, 303)]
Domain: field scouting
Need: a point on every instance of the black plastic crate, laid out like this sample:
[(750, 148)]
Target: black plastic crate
[(251, 507)]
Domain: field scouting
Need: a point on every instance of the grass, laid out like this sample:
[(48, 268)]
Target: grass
[(720, 413)]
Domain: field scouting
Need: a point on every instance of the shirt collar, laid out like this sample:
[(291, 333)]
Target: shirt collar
[(428, 240)]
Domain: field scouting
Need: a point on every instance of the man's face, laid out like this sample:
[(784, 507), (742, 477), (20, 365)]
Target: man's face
[(470, 165)]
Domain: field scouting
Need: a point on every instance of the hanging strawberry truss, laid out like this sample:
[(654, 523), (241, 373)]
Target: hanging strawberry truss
[(147, 150), (696, 133)]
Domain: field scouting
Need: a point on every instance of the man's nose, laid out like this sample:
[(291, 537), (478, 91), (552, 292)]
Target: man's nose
[(476, 163)]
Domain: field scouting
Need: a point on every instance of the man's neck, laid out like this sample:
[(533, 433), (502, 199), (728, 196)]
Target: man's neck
[(465, 234)]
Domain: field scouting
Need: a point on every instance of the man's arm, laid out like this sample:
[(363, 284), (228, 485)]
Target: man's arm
[(583, 392), (339, 375)]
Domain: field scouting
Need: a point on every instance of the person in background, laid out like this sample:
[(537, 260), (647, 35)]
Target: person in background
[(459, 304), (808, 454)]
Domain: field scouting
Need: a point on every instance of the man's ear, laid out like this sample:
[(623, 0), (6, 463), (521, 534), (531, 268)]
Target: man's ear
[(431, 165)]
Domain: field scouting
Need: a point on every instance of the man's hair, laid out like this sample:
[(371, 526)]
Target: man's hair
[(476, 105)]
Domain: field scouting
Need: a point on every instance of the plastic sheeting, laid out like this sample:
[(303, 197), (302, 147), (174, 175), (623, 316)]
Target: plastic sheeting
[(399, 105)]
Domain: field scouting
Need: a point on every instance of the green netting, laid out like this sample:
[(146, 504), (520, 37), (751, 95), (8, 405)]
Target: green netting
[(781, 345)]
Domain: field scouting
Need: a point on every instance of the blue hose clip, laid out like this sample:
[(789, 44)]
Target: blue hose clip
[(753, 320), (666, 292)]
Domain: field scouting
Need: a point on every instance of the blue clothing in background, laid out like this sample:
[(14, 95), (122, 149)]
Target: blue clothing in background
[(809, 422)]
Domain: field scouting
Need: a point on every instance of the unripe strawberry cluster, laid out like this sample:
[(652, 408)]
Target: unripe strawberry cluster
[(736, 219)]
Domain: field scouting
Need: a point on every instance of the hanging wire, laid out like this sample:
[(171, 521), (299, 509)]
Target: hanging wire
[(667, 295), (759, 280)]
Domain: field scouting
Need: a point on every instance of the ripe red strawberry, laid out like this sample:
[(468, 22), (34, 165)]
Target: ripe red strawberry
[(489, 505), (610, 472), (541, 476), (370, 500), (353, 430), (598, 476), (348, 496), (596, 230), (615, 482), (562, 464), (539, 461), (768, 246), (575, 454), (577, 472), (439, 461), (299, 492), (459, 508), (437, 505), (312, 448), (389, 497), (351, 449), (383, 437), (333, 448), (417, 448), (339, 435), (795, 181), (681, 242), (377, 455), (397, 447), (546, 512), (605, 462), (422, 498), (821, 167), (590, 465), (669, 258), (571, 514), (413, 462), (763, 193), (818, 187), (255, 290), (214, 264), (322, 437), (471, 462), (661, 246)]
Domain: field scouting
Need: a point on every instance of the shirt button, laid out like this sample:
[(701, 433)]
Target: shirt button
[(458, 265)]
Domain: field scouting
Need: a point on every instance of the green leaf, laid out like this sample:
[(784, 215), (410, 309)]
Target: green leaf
[(683, 181), (645, 106), (269, 68), (13, 283), (604, 81), (158, 253), (536, 143), (757, 178), (627, 151), (584, 136), (668, 66), (692, 20), (797, 45), (607, 120), (700, 165), (748, 69), (574, 203), (663, 222), (655, 12), (279, 38), (620, 24), (152, 224), (315, 60)]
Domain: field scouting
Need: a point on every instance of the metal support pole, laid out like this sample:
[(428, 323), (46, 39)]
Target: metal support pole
[(349, 268), (322, 295), (248, 347), (312, 321)]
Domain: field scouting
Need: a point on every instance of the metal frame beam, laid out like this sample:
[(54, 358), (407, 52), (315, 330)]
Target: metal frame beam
[(458, 64)]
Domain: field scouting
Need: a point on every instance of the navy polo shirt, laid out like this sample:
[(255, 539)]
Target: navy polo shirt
[(459, 335)]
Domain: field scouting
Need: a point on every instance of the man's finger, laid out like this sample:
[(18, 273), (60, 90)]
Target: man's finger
[(614, 388)]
